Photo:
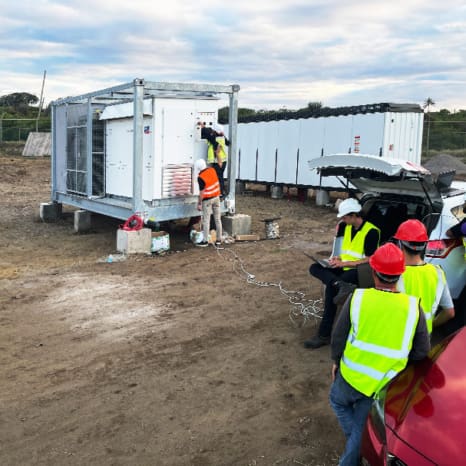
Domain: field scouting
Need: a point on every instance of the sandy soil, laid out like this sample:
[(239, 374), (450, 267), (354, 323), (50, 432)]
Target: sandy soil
[(158, 360)]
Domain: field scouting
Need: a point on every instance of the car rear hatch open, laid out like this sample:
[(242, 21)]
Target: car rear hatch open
[(377, 175)]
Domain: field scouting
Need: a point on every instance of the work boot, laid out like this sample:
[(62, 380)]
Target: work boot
[(344, 290), (316, 342)]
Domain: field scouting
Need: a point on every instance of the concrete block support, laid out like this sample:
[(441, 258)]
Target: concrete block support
[(238, 224), (134, 242), (82, 221), (50, 211)]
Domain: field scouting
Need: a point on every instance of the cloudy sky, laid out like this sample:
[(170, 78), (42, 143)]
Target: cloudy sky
[(283, 53)]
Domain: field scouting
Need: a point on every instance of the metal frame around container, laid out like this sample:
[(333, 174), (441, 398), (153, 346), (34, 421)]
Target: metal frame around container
[(136, 91)]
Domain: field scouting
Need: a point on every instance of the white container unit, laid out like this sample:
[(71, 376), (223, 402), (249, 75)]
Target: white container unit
[(171, 143), (284, 147), (131, 148)]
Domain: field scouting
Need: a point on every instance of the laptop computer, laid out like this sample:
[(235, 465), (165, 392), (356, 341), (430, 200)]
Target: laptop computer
[(322, 262)]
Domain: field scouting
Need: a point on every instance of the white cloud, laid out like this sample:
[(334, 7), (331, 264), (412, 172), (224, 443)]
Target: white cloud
[(282, 53)]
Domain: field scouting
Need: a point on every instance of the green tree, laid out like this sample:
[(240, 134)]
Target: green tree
[(314, 106), (18, 99)]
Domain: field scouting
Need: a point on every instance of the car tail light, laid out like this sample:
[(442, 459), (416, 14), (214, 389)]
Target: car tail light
[(442, 247)]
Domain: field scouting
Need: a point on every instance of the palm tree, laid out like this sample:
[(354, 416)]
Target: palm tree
[(427, 104)]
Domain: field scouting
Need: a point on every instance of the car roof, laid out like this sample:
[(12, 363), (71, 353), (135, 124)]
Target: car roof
[(433, 414), (373, 174)]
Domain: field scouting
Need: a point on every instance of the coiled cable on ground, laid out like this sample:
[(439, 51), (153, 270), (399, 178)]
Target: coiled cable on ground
[(302, 309)]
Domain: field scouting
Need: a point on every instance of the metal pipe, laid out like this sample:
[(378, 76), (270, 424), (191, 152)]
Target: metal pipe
[(89, 149), (233, 132), (138, 203)]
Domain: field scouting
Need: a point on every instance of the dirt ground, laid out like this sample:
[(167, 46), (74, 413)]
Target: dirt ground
[(158, 360)]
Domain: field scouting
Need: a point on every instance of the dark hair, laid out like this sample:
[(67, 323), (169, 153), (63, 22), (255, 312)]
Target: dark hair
[(388, 279)]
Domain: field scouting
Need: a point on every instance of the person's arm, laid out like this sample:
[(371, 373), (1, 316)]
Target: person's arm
[(201, 184), (444, 315), (421, 340), (446, 309), (340, 332), (371, 242)]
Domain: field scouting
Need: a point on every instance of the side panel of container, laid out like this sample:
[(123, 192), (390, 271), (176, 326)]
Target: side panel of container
[(403, 136), (337, 134), (267, 144), (311, 143), (367, 133), (247, 148), (287, 151), (119, 158)]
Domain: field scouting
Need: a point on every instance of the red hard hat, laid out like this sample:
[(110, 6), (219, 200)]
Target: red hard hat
[(388, 259), (412, 230)]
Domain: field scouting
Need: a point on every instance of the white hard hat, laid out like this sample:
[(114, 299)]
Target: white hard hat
[(217, 128), (348, 206), (200, 165)]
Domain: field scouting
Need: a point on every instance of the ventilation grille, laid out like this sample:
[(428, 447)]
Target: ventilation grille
[(177, 180)]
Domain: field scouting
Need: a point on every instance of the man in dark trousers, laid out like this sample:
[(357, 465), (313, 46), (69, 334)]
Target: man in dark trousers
[(378, 331), (360, 240)]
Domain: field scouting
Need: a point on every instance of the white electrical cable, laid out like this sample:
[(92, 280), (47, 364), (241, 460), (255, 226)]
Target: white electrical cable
[(302, 309)]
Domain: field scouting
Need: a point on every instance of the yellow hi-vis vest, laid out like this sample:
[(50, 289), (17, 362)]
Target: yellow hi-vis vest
[(464, 244), (427, 282), (222, 154), (380, 339), (353, 249)]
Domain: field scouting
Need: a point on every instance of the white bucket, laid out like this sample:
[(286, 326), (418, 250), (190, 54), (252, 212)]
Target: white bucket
[(276, 192), (272, 229), (322, 197)]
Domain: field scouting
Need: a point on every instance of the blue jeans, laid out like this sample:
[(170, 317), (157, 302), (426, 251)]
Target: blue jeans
[(351, 408)]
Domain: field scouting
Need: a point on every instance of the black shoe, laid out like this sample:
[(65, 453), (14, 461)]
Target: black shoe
[(316, 342), (202, 244), (344, 290)]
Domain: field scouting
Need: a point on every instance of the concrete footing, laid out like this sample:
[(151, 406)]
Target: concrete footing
[(50, 211), (82, 221), (134, 242), (238, 224)]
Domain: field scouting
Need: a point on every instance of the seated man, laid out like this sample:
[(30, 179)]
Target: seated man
[(360, 240)]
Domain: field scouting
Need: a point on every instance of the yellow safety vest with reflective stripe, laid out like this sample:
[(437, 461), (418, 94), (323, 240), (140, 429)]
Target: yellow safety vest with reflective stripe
[(464, 244), (353, 249), (427, 282), (222, 153), (380, 339)]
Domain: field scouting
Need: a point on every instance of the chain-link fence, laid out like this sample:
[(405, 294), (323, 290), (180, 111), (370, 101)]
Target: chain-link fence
[(18, 129)]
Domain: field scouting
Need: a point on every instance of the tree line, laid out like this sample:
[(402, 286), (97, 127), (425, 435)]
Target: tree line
[(443, 130)]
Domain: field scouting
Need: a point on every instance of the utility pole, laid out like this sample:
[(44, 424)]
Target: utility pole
[(41, 101)]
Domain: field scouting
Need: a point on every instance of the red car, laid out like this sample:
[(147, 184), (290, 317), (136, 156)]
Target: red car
[(420, 419)]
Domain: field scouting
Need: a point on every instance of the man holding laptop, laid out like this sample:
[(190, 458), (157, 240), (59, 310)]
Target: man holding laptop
[(360, 240)]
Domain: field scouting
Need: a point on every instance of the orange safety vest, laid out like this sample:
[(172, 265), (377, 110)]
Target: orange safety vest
[(212, 185)]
